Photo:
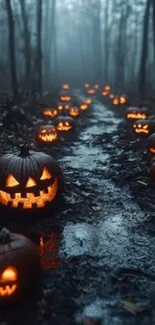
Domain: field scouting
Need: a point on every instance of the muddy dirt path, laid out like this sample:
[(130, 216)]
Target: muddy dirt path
[(101, 233)]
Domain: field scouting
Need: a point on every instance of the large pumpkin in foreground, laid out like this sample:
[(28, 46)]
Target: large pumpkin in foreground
[(19, 266), (29, 180)]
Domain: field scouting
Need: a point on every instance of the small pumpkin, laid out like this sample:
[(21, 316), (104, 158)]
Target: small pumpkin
[(111, 96), (74, 112), (19, 266), (29, 180), (151, 144), (143, 127), (105, 93), (65, 98), (123, 99), (50, 112), (64, 123), (116, 100), (65, 86), (46, 134), (91, 91), (84, 107), (107, 88), (135, 113)]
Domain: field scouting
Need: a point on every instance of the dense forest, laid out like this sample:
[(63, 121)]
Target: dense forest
[(48, 42)]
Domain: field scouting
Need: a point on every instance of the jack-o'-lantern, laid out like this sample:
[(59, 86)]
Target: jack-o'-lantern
[(50, 112), (49, 247), (29, 180), (63, 106), (65, 86), (107, 88), (74, 111), (84, 107), (88, 101), (66, 98), (143, 127), (19, 266), (46, 134), (135, 113), (116, 100), (87, 85), (96, 86), (91, 91), (64, 123), (123, 99), (111, 96), (104, 93), (151, 144)]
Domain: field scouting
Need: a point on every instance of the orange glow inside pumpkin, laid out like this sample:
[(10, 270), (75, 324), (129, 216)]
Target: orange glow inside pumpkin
[(48, 135), (74, 112), (8, 281), (107, 88), (116, 101), (137, 116), (65, 98), (111, 96), (65, 86), (50, 112), (96, 86), (141, 129), (104, 93), (88, 101), (84, 107), (91, 91), (30, 199), (123, 100), (87, 85), (152, 150), (64, 126)]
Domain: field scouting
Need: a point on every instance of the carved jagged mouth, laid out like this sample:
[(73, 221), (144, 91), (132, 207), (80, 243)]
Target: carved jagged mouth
[(7, 290), (64, 128), (30, 201), (74, 113), (141, 131), (51, 114), (136, 116), (48, 137), (84, 107), (152, 150)]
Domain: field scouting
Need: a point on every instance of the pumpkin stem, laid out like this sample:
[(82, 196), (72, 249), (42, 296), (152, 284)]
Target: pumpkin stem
[(4, 236), (24, 150)]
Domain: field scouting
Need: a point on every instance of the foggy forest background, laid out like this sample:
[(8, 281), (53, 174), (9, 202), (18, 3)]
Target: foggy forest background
[(45, 43)]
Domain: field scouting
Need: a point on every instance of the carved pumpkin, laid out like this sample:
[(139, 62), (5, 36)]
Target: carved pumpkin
[(96, 86), (65, 86), (46, 134), (65, 98), (84, 107), (63, 106), (91, 91), (19, 266), (111, 96), (29, 180), (64, 123), (87, 85), (143, 127), (50, 112), (123, 99), (107, 88), (88, 101), (135, 113), (49, 247), (116, 100), (105, 93), (74, 111), (151, 144)]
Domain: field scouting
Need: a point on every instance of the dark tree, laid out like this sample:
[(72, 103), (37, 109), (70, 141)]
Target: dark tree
[(39, 47)]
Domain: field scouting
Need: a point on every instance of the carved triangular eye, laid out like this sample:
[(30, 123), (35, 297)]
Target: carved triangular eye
[(11, 181), (45, 174), (31, 182)]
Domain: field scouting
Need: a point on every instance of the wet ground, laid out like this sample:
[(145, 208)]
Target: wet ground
[(98, 249)]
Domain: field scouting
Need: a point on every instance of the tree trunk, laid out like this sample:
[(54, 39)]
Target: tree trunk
[(27, 52), (39, 47), (153, 13), (144, 52), (12, 49)]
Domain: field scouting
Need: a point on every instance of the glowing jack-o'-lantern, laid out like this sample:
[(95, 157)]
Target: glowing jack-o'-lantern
[(151, 144), (87, 85), (91, 91), (74, 111), (49, 246), (29, 180), (66, 98), (116, 100), (64, 123), (84, 107), (46, 134), (96, 86), (143, 127), (111, 96), (19, 266), (65, 86), (50, 112), (135, 113), (123, 99), (107, 88), (104, 93), (63, 106), (88, 101)]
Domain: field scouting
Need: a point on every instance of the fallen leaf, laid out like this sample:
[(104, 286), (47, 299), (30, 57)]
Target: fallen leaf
[(78, 183), (140, 182), (132, 307), (96, 208)]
